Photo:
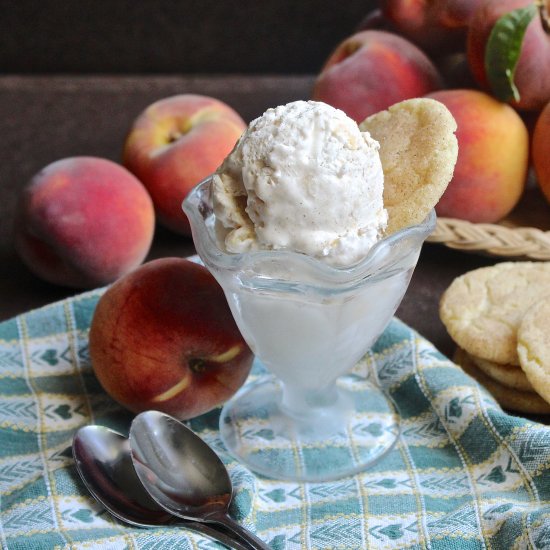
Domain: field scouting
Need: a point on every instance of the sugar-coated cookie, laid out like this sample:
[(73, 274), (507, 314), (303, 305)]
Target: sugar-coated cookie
[(482, 309), (508, 375), (534, 346), (418, 150), (514, 400)]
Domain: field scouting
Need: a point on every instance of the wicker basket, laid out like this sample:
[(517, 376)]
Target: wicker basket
[(524, 234), (496, 240)]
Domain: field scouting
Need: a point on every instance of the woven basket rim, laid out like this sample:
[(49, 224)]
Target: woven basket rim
[(492, 239)]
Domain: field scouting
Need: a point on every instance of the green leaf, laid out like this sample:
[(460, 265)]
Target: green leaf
[(503, 50)]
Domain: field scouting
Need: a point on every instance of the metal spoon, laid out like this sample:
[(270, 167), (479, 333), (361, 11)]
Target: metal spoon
[(182, 473), (102, 458)]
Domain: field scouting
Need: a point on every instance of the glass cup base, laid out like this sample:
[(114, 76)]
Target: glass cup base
[(330, 442)]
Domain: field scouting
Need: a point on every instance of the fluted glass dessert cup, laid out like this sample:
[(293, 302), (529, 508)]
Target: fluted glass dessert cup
[(316, 418)]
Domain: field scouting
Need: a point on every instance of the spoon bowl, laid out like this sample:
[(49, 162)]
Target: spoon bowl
[(182, 473), (103, 461)]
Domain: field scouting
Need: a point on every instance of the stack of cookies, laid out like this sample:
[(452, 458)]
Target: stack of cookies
[(499, 316)]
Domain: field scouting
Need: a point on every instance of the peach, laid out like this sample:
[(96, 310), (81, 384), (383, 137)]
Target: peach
[(83, 222), (541, 151), (493, 155), (531, 77), (163, 338), (436, 27), (174, 144), (372, 70)]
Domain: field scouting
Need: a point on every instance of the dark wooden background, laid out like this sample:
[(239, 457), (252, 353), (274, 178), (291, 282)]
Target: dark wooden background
[(75, 73), (173, 37)]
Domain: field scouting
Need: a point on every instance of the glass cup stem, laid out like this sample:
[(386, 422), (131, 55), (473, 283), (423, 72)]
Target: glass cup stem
[(302, 402)]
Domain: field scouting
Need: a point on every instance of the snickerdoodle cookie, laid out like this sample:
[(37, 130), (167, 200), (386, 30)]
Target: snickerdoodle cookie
[(508, 375), (418, 150), (514, 400), (534, 346), (482, 310)]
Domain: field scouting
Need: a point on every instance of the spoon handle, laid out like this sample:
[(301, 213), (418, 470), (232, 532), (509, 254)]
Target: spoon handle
[(226, 537), (229, 523)]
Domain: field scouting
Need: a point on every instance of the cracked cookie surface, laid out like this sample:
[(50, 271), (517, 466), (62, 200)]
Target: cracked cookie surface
[(418, 150), (482, 309)]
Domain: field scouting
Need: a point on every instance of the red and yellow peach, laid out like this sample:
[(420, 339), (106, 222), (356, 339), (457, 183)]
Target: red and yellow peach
[(531, 76), (163, 338), (174, 144), (493, 156), (83, 222), (372, 70), (541, 151)]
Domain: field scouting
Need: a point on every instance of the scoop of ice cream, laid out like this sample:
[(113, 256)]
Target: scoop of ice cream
[(302, 177)]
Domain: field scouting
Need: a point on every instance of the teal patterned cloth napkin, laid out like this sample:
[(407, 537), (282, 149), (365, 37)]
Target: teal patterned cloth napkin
[(464, 474)]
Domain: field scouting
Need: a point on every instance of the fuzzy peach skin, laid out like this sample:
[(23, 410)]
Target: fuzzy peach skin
[(540, 151), (493, 156), (163, 338), (174, 144), (372, 70), (83, 222), (532, 77)]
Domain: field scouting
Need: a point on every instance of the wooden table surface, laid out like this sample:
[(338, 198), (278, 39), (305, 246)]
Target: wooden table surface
[(43, 119)]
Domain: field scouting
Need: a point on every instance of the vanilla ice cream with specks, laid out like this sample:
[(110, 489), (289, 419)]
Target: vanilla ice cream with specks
[(302, 177)]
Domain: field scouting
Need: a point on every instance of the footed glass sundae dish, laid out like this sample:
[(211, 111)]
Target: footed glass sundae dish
[(309, 324), (292, 227)]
